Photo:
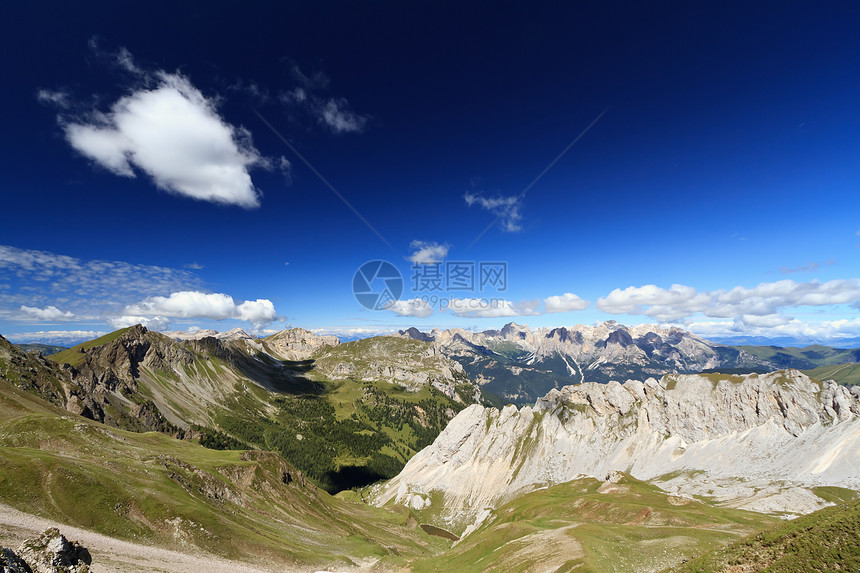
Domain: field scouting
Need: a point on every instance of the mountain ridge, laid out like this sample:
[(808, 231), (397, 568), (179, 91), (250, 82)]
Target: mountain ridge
[(694, 434), (520, 364)]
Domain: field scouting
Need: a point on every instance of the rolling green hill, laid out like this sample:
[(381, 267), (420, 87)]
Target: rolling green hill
[(847, 374), (826, 540), (590, 525), (778, 357), (350, 415), (153, 489)]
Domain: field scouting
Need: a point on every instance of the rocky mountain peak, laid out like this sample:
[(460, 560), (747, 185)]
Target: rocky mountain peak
[(298, 343), (415, 334), (50, 552), (514, 331)]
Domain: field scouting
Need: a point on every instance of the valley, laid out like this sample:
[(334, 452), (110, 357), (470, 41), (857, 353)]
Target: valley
[(299, 430)]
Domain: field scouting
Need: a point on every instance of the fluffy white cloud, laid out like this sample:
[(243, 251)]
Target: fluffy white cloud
[(194, 304), (491, 308), (766, 321), (413, 307), (763, 301), (824, 331), (173, 134), (47, 313), (564, 303), (663, 304), (427, 253), (507, 209)]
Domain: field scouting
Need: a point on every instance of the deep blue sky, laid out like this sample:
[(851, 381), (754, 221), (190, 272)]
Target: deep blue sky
[(728, 158)]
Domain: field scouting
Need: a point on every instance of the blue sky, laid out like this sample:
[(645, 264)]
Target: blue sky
[(144, 179)]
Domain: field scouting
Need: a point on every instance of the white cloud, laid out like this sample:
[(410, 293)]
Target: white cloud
[(286, 169), (56, 336), (94, 287), (194, 304), (173, 134), (334, 113), (47, 313), (125, 61), (667, 305), (764, 300), (426, 253), (507, 209), (354, 332), (56, 98), (765, 321), (159, 323), (491, 308), (414, 307), (339, 118), (824, 331), (564, 303)]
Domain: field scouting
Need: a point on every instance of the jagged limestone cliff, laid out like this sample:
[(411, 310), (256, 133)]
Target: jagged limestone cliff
[(754, 441)]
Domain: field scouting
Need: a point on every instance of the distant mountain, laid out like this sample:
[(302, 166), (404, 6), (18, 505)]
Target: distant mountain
[(784, 341), (519, 364), (45, 349)]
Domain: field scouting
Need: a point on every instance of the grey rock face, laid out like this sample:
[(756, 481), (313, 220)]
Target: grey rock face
[(405, 363), (298, 344), (51, 552), (11, 563), (778, 427)]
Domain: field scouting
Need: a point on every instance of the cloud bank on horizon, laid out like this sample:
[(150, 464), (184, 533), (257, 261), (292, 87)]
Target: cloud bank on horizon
[(49, 288)]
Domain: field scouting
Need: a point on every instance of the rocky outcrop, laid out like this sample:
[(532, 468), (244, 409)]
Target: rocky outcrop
[(31, 372), (298, 343), (120, 361), (50, 552), (11, 563), (686, 430), (409, 363)]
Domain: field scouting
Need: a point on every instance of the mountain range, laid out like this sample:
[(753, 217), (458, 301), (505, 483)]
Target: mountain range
[(520, 364), (368, 416), (253, 435)]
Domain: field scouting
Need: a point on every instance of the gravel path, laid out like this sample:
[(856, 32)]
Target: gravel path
[(110, 554)]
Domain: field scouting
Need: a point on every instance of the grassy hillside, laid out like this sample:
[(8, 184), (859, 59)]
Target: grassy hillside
[(153, 489), (75, 354), (351, 435), (341, 431), (591, 526), (802, 358), (826, 540), (847, 374)]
